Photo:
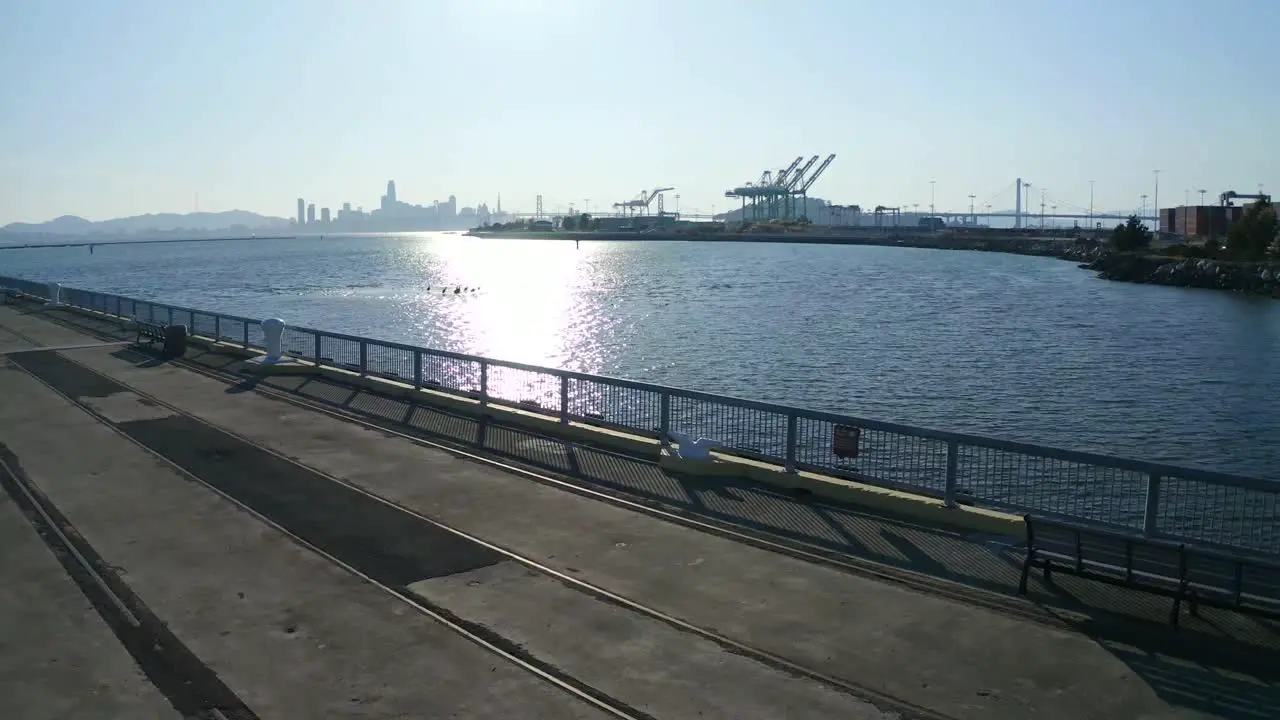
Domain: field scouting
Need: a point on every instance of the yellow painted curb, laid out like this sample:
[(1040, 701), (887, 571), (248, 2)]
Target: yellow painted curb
[(919, 508)]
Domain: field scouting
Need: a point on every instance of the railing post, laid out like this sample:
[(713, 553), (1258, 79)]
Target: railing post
[(246, 334), (417, 369), (564, 399), (119, 303), (664, 416), (793, 432), (364, 357), (316, 357), (484, 382), (217, 328), (953, 471), (1151, 517), (170, 316)]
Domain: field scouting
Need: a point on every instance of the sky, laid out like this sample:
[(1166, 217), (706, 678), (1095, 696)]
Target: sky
[(114, 108)]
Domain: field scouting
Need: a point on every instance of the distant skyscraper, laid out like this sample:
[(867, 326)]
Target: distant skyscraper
[(311, 214), (302, 212), (346, 207), (391, 192), (324, 216)]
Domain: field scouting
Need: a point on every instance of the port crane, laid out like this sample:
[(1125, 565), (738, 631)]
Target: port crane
[(777, 200), (640, 205), (803, 192), (1226, 197), (773, 196)]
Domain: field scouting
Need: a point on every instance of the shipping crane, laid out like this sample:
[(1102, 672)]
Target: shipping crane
[(640, 206), (803, 189), (777, 201), (1226, 197)]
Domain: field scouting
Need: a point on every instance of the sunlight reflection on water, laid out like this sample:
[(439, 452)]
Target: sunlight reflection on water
[(1029, 348)]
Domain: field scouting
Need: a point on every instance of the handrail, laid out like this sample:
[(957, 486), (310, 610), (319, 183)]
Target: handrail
[(1100, 488)]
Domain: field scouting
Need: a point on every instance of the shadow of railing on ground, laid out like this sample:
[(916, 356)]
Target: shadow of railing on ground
[(1221, 663)]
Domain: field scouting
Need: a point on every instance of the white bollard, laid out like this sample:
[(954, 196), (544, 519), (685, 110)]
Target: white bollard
[(55, 295), (272, 329)]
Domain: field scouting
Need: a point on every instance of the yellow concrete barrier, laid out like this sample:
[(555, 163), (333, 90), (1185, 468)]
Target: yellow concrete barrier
[(926, 510)]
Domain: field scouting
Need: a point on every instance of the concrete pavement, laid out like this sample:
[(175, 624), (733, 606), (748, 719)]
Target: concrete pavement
[(940, 654)]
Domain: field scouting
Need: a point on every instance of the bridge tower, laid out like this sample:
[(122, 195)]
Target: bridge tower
[(1017, 204)]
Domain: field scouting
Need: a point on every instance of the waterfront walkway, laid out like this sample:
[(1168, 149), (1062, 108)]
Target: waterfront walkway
[(217, 511)]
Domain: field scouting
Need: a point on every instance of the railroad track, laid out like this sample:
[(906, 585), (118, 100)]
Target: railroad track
[(475, 633), (173, 669)]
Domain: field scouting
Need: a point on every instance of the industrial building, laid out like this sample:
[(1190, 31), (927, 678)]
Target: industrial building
[(1199, 220), (1205, 221)]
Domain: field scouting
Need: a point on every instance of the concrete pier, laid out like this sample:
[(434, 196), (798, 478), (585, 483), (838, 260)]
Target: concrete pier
[(240, 520)]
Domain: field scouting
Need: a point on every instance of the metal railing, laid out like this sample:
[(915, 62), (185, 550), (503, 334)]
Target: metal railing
[(1150, 498)]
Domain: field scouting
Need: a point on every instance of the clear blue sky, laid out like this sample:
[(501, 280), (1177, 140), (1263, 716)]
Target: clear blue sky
[(123, 107)]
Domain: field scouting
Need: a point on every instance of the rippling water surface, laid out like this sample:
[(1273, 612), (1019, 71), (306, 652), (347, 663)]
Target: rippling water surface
[(1027, 348)]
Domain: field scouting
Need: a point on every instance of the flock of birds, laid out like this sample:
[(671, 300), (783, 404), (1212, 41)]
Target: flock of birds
[(456, 291)]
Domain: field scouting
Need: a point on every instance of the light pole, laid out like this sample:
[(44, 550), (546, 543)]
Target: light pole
[(988, 214), (586, 206), (1142, 213), (1202, 192), (677, 206), (1054, 210), (971, 213), (933, 187), (1155, 200)]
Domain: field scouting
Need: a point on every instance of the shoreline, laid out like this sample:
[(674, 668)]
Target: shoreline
[(1144, 268), (1036, 245)]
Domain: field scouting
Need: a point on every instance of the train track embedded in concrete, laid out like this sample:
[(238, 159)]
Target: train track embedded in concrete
[(473, 632)]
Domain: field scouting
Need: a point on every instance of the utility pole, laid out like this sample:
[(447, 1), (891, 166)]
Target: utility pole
[(933, 195), (973, 216), (1155, 200), (1090, 203)]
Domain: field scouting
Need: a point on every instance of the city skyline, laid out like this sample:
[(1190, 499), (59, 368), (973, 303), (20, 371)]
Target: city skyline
[(139, 106), (393, 213)]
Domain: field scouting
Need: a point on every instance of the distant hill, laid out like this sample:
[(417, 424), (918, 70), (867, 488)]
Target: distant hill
[(151, 223)]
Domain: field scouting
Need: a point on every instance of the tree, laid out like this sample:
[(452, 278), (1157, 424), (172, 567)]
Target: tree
[(568, 222), (1253, 236), (585, 222), (1131, 236)]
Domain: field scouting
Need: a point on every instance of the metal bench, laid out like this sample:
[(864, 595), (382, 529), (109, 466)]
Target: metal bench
[(150, 332), (1201, 576), (1232, 580)]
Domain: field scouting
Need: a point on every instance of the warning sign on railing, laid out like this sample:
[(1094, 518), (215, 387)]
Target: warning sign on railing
[(845, 440)]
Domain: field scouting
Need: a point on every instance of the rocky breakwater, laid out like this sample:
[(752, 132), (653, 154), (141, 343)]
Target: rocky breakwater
[(1243, 277)]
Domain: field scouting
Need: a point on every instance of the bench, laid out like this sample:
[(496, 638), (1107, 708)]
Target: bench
[(1198, 575), (149, 331)]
